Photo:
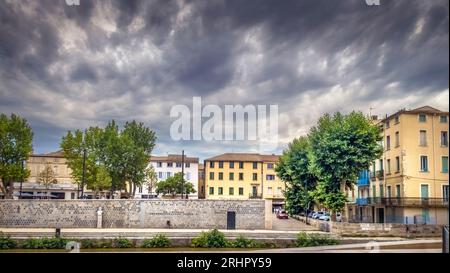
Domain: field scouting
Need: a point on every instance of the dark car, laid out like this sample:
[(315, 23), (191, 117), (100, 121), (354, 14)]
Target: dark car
[(282, 214)]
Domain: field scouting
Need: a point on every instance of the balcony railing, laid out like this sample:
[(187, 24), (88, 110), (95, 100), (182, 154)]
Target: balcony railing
[(373, 176), (380, 174), (363, 182), (255, 196), (403, 201)]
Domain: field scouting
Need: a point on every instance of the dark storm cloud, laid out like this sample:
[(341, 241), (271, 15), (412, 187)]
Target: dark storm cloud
[(66, 67)]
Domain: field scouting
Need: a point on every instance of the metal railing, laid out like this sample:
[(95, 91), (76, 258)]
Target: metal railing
[(403, 201), (255, 196)]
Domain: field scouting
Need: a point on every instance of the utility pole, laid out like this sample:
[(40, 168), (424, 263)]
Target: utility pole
[(182, 174), (83, 182)]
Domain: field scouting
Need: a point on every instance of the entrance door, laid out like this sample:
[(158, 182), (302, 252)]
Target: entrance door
[(231, 220), (424, 194), (380, 215), (254, 191)]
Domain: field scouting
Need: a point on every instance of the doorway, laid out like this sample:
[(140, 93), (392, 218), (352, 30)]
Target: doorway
[(231, 220)]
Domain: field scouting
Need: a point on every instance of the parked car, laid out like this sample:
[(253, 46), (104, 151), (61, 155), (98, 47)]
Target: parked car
[(282, 214), (325, 217), (317, 214), (311, 213), (338, 217)]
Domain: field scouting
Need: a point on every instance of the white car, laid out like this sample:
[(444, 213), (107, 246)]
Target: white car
[(317, 214), (338, 217), (325, 217)]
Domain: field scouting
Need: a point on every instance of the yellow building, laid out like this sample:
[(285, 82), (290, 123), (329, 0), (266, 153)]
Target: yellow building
[(410, 182), (243, 176), (65, 186)]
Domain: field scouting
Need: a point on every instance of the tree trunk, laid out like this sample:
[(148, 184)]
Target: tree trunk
[(134, 190)]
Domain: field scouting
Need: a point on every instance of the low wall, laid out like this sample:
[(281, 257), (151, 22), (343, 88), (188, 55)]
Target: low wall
[(384, 230), (189, 214)]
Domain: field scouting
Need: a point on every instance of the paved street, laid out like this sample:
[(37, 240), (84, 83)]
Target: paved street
[(290, 224)]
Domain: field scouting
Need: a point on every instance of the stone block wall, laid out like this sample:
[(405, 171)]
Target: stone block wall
[(189, 214)]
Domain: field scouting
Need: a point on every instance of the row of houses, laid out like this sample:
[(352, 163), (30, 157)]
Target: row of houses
[(408, 184)]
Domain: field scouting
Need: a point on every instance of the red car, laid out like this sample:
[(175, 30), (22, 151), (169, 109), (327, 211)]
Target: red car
[(282, 214)]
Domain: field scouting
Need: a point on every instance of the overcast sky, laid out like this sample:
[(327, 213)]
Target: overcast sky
[(66, 67)]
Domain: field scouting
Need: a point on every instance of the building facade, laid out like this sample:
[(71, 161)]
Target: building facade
[(168, 166), (64, 188), (243, 176), (409, 183)]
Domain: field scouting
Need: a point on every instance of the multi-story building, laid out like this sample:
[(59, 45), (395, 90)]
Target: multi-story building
[(409, 183), (243, 176), (65, 186), (201, 181), (167, 166)]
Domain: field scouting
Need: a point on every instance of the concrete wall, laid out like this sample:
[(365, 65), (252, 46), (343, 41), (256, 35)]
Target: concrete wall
[(194, 214), (380, 230)]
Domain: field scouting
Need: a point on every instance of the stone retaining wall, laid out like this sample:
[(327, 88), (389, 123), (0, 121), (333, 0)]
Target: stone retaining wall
[(189, 214)]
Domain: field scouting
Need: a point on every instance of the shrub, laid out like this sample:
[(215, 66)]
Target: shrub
[(6, 242), (45, 243), (88, 243), (305, 240), (210, 239), (123, 243), (160, 240), (243, 242)]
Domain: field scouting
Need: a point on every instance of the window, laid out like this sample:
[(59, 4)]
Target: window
[(241, 191), (445, 192), (231, 176), (422, 118), (270, 177), (397, 163), (211, 164), (211, 176), (381, 165), (388, 142), (188, 176), (241, 165), (255, 176), (397, 190), (424, 163), (72, 195), (241, 176), (220, 164), (445, 164), (231, 165), (387, 124), (178, 164), (231, 191), (396, 119), (220, 191), (255, 165), (381, 191), (169, 164), (389, 191), (160, 175), (159, 164), (444, 138), (269, 165), (169, 174), (374, 191), (188, 165), (423, 138), (388, 166), (269, 190), (211, 190), (397, 139), (220, 176), (443, 119)]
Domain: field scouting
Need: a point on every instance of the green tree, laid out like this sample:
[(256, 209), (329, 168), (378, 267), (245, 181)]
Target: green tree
[(342, 146), (16, 139), (295, 168), (47, 177), (174, 185), (151, 179)]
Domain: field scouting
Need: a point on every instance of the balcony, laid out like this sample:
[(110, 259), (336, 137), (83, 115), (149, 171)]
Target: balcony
[(373, 176), (380, 174), (255, 196), (403, 202), (362, 181)]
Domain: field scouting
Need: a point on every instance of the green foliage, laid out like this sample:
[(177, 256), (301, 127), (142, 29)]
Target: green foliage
[(160, 240), (123, 243), (45, 243), (47, 176), (306, 240), (16, 139), (6, 242), (104, 244), (210, 239), (174, 185)]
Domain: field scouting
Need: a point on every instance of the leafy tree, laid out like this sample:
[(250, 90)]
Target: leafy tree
[(295, 168), (342, 145), (174, 185), (47, 176), (16, 139), (151, 179)]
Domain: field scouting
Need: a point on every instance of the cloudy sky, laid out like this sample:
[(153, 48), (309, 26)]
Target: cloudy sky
[(66, 67)]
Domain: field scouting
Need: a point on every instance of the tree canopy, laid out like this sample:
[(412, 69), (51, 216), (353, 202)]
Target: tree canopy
[(175, 185)]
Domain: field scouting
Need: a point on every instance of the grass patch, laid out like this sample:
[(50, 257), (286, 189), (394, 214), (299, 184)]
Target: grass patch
[(306, 240)]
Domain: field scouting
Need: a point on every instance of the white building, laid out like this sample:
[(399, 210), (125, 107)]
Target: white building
[(167, 166)]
